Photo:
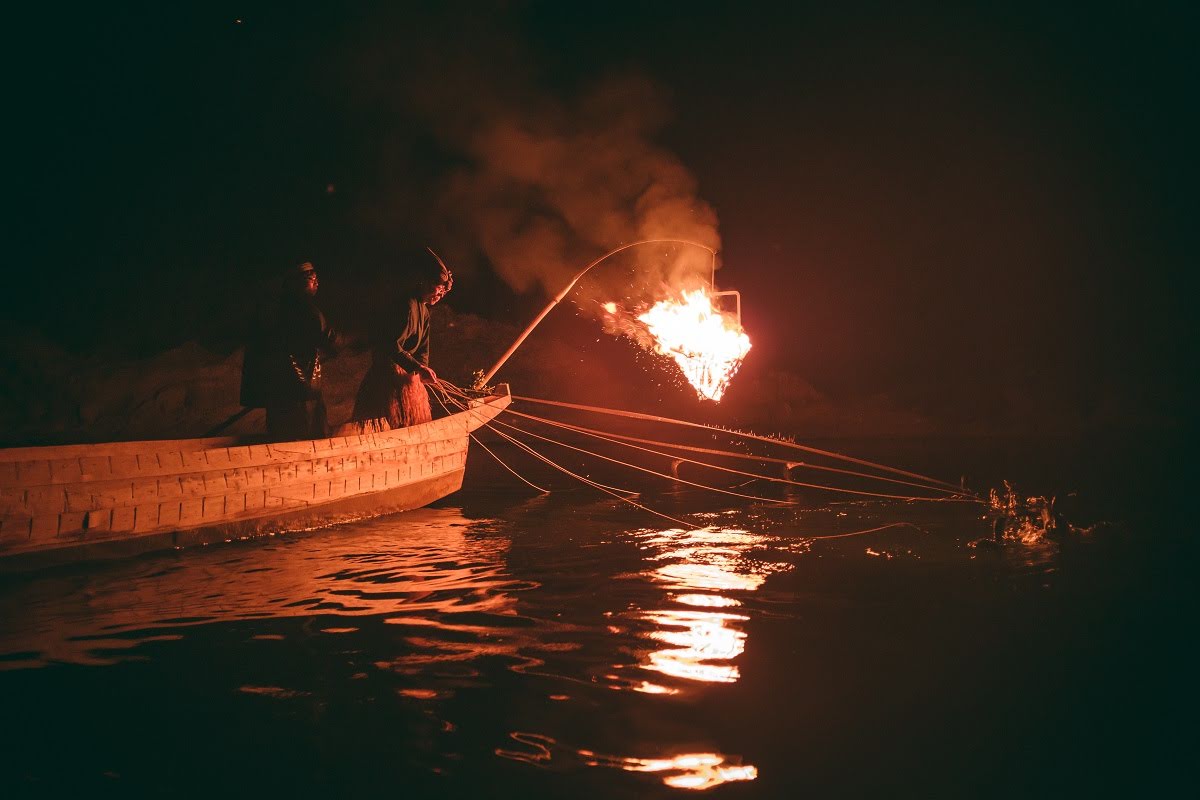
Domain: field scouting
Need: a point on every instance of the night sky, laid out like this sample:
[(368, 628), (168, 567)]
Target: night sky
[(971, 213)]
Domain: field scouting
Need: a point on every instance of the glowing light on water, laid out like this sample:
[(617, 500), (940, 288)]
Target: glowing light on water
[(646, 687), (696, 771), (442, 584), (707, 576), (707, 600), (698, 638), (703, 639), (707, 344)]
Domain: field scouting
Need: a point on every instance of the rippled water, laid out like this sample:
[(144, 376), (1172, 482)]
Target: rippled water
[(568, 645)]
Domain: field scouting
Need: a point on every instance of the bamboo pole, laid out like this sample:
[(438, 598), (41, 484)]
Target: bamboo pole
[(559, 297)]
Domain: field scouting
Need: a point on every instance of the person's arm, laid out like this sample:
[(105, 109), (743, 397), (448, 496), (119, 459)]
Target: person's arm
[(417, 359), (422, 355), (405, 359), (421, 351)]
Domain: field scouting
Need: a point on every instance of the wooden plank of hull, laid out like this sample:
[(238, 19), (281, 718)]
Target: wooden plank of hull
[(66, 464), (349, 509), (159, 497)]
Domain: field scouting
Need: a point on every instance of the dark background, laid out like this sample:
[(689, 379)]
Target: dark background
[(977, 214)]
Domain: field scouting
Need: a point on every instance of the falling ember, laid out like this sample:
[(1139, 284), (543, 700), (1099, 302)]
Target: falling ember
[(707, 344)]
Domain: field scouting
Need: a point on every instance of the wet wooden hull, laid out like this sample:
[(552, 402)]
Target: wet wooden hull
[(80, 502)]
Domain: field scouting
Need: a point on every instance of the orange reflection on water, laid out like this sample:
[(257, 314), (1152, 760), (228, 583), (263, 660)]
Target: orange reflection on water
[(688, 771), (707, 576), (705, 565), (422, 570), (646, 687), (707, 600), (730, 540), (699, 637)]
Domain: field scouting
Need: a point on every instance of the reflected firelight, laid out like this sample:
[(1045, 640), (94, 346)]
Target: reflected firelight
[(703, 565), (698, 637), (707, 600), (695, 771), (708, 576), (702, 634), (438, 573)]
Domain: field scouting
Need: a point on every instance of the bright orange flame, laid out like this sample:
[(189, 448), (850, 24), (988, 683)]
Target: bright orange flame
[(707, 344)]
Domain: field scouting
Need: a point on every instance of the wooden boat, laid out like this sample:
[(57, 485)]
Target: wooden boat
[(80, 502)]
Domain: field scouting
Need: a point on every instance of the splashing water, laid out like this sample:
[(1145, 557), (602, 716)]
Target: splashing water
[(1028, 520), (707, 344)]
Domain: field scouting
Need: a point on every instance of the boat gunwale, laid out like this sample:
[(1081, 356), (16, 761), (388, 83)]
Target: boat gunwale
[(83, 450)]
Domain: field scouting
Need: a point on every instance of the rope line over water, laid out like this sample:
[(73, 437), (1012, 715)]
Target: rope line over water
[(465, 407), (594, 484), (457, 397), (608, 436), (500, 461), (754, 436), (646, 470), (443, 397), (770, 478)]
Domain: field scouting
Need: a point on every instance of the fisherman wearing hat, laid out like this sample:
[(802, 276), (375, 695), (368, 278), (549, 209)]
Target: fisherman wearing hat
[(282, 367), (393, 389)]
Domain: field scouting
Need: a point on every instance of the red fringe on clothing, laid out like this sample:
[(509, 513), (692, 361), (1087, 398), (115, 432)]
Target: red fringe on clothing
[(390, 398), (409, 404)]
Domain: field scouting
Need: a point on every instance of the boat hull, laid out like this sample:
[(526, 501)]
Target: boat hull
[(83, 502)]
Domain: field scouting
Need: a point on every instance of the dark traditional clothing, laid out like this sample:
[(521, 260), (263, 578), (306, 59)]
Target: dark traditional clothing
[(282, 368), (392, 389)]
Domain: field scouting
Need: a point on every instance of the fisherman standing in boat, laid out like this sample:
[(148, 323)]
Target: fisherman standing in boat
[(282, 367), (394, 387)]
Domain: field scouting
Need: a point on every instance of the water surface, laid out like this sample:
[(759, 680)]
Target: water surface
[(503, 645)]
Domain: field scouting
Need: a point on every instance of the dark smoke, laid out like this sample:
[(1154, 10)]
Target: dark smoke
[(546, 192), (542, 182)]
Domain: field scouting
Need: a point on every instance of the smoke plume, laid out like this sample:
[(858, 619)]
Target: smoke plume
[(539, 182), (546, 193)]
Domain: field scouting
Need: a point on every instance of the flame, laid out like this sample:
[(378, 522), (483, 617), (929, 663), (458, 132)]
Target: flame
[(707, 344)]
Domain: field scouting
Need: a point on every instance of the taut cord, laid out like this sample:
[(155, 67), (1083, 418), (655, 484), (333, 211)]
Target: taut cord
[(755, 436), (625, 442), (646, 470), (500, 461), (598, 486), (437, 394), (451, 389), (839, 489), (611, 489)]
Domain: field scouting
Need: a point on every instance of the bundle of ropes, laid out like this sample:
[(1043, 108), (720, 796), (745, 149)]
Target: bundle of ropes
[(876, 481)]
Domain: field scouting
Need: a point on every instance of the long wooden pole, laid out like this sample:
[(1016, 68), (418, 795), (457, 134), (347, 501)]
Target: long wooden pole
[(566, 290)]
